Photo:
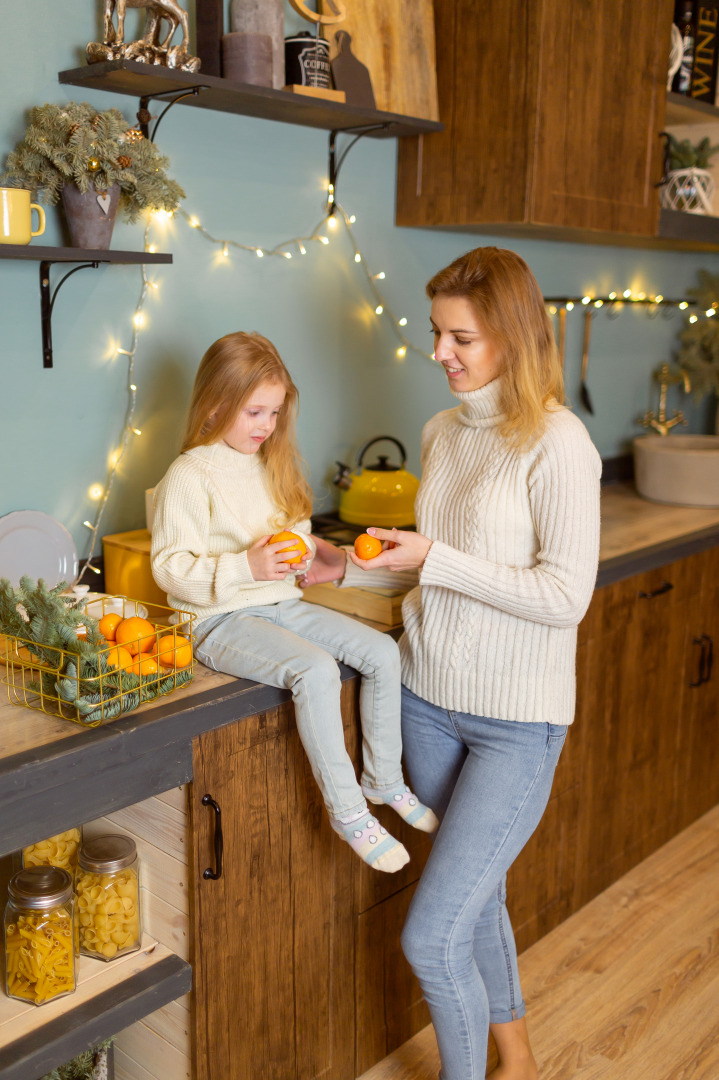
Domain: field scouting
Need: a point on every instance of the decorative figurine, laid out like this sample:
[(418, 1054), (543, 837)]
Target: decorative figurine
[(148, 49)]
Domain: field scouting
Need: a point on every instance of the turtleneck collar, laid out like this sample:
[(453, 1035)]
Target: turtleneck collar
[(481, 408), (222, 456)]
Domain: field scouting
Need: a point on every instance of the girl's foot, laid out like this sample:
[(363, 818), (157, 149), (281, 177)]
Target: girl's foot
[(407, 806), (372, 842)]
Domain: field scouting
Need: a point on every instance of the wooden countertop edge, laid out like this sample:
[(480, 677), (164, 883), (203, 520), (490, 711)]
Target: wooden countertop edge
[(649, 558)]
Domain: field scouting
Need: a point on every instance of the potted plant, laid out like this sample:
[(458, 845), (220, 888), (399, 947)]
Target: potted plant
[(94, 162), (698, 355), (686, 184)]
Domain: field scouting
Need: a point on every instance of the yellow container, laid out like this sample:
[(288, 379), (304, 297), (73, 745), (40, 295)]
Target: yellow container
[(127, 566)]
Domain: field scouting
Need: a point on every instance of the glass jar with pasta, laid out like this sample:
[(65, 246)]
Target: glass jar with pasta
[(60, 850), (39, 935), (107, 888)]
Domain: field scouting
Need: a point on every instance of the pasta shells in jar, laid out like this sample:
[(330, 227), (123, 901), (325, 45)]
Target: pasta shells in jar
[(107, 888), (60, 850), (40, 935)]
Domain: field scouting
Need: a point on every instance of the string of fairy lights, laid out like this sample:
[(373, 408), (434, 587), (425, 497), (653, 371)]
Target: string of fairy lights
[(296, 248)]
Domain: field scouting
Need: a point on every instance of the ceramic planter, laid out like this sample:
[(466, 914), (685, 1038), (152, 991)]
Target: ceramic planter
[(90, 215)]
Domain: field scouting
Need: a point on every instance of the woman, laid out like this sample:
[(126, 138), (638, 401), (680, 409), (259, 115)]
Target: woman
[(506, 547)]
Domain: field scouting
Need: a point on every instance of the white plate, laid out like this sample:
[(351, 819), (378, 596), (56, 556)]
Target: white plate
[(35, 544), (99, 604)]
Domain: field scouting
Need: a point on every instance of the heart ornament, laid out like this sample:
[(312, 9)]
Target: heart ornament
[(103, 201)]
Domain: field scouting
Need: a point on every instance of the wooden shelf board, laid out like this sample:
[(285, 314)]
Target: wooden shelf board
[(698, 230), (685, 110), (109, 997), (223, 95), (69, 254)]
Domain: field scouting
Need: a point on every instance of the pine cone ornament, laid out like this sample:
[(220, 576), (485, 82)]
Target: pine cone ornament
[(124, 161)]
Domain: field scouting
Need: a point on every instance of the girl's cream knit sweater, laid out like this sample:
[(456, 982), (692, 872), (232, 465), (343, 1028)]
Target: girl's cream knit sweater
[(212, 504), (491, 629)]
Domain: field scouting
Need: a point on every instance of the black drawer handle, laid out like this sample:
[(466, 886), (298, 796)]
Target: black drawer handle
[(702, 659), (665, 587), (207, 800), (709, 659)]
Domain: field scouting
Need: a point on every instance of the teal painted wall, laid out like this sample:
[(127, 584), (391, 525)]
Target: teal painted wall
[(262, 183)]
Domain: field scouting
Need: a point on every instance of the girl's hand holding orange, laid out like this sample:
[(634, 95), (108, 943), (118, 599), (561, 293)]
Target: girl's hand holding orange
[(408, 552), (271, 561)]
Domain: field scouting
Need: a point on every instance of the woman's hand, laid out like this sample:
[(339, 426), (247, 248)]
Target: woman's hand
[(328, 564), (408, 552), (268, 562)]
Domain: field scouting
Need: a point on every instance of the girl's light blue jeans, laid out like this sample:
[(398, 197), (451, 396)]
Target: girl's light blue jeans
[(489, 782), (295, 645)]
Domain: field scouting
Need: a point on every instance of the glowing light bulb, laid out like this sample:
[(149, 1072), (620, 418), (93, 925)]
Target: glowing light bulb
[(332, 222), (287, 254), (259, 253), (378, 310), (133, 387), (152, 248), (403, 321), (641, 296), (586, 299), (570, 305), (358, 257), (552, 310), (88, 525), (94, 569), (683, 305), (381, 276), (303, 249), (138, 319), (612, 296), (225, 250), (352, 219), (193, 223), (136, 431), (627, 293), (692, 318), (324, 240), (402, 351), (710, 312), (598, 303), (658, 298), (95, 491)]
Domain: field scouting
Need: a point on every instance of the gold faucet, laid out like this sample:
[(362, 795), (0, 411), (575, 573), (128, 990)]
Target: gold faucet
[(659, 422)]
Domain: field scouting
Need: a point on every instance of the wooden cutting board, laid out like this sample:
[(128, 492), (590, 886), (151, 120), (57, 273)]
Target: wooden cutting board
[(395, 40)]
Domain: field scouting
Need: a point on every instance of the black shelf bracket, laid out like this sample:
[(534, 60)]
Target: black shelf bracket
[(335, 160), (143, 113), (47, 302)]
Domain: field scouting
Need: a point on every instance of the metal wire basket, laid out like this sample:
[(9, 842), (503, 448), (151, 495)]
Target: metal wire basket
[(61, 682)]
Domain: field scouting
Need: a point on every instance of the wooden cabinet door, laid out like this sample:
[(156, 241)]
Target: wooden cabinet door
[(552, 115), (274, 936)]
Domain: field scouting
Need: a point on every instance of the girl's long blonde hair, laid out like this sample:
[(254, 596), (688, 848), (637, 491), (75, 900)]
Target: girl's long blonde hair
[(509, 305), (231, 370)]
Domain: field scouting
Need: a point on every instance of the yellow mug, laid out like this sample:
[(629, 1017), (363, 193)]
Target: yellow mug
[(16, 216)]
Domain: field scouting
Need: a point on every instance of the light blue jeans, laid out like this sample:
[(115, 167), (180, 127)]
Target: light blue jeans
[(489, 782), (295, 645)]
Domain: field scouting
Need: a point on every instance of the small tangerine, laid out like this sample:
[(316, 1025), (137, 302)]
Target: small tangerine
[(367, 547), (136, 634), (108, 625), (299, 545)]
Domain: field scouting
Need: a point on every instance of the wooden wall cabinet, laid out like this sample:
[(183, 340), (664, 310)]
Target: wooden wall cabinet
[(552, 114)]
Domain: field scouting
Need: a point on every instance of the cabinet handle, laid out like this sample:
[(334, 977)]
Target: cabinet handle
[(665, 587), (207, 800), (701, 641), (709, 659)]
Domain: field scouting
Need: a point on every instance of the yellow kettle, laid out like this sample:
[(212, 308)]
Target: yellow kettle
[(381, 494)]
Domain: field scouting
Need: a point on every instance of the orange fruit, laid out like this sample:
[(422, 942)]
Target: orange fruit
[(367, 547), (174, 650), (117, 657), (144, 665), (299, 545), (109, 624), (136, 634)]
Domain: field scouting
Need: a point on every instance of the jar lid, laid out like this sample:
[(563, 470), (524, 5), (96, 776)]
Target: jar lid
[(107, 853), (40, 887)]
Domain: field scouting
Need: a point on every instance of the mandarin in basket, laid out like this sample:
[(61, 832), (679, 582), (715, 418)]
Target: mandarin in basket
[(118, 657), (108, 625), (136, 634), (297, 545), (367, 547), (144, 665), (174, 651)]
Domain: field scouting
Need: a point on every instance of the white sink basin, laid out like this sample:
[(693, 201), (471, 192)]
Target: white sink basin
[(679, 469)]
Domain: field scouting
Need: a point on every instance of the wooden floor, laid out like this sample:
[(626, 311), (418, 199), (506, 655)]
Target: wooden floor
[(628, 987)]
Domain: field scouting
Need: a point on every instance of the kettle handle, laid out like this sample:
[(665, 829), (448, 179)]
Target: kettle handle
[(381, 438)]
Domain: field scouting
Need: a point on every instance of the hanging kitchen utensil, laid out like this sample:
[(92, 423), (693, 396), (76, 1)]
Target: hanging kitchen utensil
[(583, 391), (381, 494), (562, 334)]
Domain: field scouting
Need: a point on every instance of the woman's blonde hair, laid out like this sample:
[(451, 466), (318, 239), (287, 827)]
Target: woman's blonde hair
[(231, 371), (509, 305)]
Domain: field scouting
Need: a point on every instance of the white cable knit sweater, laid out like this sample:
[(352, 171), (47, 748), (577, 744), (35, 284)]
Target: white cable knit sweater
[(211, 505), (491, 628)]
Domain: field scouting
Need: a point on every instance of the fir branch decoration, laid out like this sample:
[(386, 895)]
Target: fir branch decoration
[(687, 155), (81, 1067), (73, 671), (699, 352), (76, 144)]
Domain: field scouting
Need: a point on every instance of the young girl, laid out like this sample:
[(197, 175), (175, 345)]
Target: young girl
[(236, 482)]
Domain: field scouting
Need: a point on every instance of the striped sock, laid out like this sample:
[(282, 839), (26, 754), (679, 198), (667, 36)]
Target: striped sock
[(372, 843), (407, 805)]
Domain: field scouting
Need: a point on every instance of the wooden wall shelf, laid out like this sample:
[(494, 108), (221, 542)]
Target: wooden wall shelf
[(222, 95)]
